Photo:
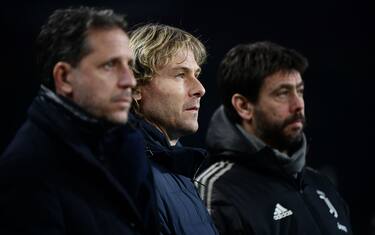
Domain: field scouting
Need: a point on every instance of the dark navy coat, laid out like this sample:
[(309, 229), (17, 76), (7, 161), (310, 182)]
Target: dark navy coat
[(181, 210), (64, 174)]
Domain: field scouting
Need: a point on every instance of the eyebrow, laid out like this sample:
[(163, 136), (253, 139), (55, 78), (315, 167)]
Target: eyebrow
[(186, 69), (118, 58), (289, 86), (301, 84)]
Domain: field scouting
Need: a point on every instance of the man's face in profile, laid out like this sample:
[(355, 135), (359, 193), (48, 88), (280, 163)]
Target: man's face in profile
[(102, 82), (279, 114), (171, 100)]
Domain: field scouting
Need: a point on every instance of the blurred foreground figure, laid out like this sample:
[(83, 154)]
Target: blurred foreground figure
[(75, 167)]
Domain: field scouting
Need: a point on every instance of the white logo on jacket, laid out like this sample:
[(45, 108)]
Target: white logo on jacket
[(342, 227), (332, 209), (281, 212)]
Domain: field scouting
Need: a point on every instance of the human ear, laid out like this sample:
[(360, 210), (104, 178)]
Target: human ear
[(137, 94), (61, 75), (243, 106)]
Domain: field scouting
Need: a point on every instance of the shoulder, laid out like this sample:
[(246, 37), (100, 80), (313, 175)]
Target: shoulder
[(216, 180), (28, 139), (227, 173), (322, 185), (217, 171), (313, 176), (168, 182), (29, 155)]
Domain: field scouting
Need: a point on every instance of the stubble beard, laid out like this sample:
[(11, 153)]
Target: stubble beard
[(274, 133)]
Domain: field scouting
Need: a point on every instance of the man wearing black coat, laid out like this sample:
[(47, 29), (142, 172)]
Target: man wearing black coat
[(258, 182), (75, 166)]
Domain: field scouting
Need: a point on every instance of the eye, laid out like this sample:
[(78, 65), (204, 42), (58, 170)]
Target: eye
[(180, 75), (300, 92), (109, 65), (131, 64), (282, 93)]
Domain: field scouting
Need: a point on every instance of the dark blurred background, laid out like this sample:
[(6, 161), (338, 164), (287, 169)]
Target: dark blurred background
[(334, 35)]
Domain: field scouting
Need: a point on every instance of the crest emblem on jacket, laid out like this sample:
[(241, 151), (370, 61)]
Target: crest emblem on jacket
[(332, 209)]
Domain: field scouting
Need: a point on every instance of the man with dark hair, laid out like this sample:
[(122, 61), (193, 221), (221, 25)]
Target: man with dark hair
[(167, 99), (258, 182), (75, 166)]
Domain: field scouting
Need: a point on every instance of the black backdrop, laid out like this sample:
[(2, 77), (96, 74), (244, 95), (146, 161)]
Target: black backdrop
[(334, 35)]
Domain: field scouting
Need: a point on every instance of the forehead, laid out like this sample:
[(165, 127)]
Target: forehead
[(290, 78), (108, 41), (183, 59)]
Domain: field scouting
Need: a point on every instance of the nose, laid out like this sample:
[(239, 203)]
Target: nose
[(126, 78), (197, 88), (297, 104)]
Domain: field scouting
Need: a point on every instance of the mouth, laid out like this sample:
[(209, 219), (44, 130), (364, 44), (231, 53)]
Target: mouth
[(123, 100), (195, 108), (192, 105), (297, 124), (123, 97)]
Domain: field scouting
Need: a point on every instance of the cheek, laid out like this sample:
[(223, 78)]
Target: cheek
[(274, 114), (279, 111), (278, 114), (92, 82), (164, 97), (163, 94), (100, 91), (152, 100)]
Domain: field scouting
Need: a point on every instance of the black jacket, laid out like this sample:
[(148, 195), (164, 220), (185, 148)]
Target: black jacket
[(181, 210), (67, 173), (252, 189)]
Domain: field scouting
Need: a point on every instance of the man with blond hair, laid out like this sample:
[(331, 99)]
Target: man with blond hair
[(166, 104)]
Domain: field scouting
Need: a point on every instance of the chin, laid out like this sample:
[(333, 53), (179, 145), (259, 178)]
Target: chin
[(118, 118), (296, 138), (192, 128)]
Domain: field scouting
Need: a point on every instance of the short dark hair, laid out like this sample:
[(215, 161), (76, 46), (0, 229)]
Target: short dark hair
[(245, 67), (63, 37)]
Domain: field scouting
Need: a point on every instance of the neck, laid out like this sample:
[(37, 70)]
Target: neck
[(82, 122), (172, 141)]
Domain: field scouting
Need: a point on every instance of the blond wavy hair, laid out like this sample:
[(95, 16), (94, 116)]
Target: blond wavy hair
[(154, 45)]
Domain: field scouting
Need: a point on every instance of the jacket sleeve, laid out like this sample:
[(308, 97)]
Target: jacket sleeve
[(29, 209)]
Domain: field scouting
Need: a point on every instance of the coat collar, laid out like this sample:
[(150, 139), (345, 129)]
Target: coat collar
[(231, 141), (85, 135), (178, 159)]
